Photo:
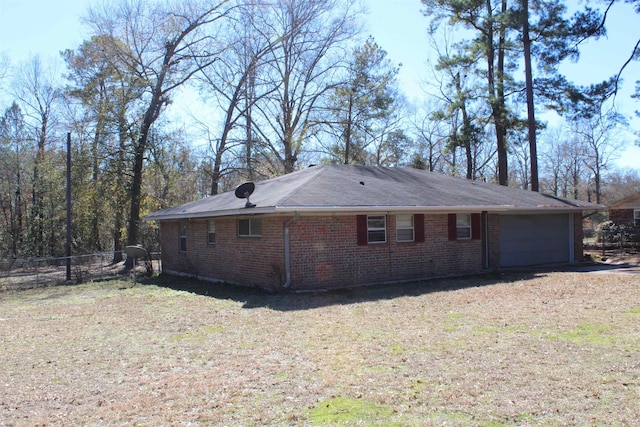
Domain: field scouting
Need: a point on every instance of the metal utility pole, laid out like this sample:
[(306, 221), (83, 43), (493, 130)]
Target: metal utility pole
[(68, 206)]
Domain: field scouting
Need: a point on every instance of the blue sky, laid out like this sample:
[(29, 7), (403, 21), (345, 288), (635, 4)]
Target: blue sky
[(46, 27)]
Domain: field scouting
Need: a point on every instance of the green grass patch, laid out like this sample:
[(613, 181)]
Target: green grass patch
[(212, 330), (486, 329), (344, 411), (586, 333)]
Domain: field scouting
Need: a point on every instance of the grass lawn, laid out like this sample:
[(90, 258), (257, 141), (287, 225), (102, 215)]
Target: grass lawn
[(546, 348)]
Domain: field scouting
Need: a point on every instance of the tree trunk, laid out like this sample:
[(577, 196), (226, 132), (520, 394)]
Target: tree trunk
[(37, 213), (531, 120), (121, 199), (96, 200), (466, 126), (153, 112), (347, 131), (136, 190), (496, 89), (501, 124), (215, 174)]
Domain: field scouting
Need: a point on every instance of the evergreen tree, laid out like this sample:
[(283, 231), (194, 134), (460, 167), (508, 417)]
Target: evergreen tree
[(366, 96), (13, 167)]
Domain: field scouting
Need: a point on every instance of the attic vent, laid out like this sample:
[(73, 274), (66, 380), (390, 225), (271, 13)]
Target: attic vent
[(361, 182)]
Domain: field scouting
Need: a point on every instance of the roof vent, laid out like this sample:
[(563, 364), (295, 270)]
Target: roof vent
[(244, 191), (361, 182)]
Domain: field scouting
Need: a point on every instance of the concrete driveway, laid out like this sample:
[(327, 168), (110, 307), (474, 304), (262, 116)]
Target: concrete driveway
[(616, 264), (609, 269)]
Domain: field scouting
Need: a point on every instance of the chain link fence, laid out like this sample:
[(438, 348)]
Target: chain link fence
[(615, 240), (19, 274)]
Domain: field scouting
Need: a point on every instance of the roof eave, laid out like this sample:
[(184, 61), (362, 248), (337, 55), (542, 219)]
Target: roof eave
[(324, 210), (211, 214), (433, 209)]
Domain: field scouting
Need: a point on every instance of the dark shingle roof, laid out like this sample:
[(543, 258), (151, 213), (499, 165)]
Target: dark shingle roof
[(354, 188)]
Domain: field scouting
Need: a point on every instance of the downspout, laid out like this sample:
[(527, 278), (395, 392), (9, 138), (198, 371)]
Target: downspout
[(287, 255), (485, 240), (572, 237)]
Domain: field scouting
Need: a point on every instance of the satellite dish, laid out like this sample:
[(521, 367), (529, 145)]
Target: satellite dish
[(244, 191), (137, 251)]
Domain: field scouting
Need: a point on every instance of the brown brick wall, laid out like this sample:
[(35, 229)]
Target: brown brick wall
[(621, 216), (324, 253), (255, 261), (494, 240)]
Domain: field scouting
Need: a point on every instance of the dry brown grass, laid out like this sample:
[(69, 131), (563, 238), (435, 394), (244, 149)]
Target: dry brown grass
[(549, 348)]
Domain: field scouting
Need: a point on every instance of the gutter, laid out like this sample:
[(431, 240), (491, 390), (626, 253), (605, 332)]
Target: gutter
[(287, 255), (370, 209)]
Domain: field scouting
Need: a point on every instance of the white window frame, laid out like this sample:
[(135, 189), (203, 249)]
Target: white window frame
[(375, 230), (211, 232), (463, 226), (636, 217), (401, 228), (182, 242), (255, 227)]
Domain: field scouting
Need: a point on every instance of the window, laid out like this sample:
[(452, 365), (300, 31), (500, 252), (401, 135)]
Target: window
[(463, 226), (376, 229), (183, 235), (404, 228), (636, 218), (211, 232), (249, 227)]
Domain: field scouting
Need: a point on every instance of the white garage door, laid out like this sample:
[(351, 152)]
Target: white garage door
[(534, 239)]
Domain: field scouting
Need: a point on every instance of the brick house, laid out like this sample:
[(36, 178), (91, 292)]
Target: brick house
[(332, 226), (626, 211)]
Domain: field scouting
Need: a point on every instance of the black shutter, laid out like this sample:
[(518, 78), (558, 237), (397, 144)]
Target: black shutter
[(418, 227), (452, 227), (476, 227), (362, 228)]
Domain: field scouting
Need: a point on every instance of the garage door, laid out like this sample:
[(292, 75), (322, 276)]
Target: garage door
[(534, 239)]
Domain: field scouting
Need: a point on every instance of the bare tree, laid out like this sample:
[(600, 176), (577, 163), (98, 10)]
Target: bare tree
[(36, 91), (563, 164), (621, 184), (235, 83), (108, 99), (302, 69), (159, 44), (597, 136), (430, 142)]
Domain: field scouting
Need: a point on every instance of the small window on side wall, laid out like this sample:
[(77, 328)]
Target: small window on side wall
[(464, 226), (636, 218), (404, 228), (183, 235), (376, 228), (249, 227), (211, 232)]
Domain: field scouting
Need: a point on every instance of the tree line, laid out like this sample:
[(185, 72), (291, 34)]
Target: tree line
[(277, 85)]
